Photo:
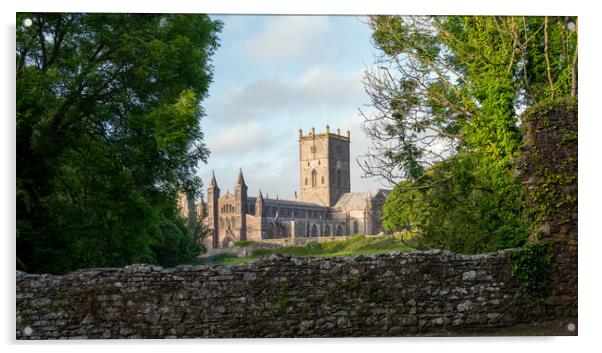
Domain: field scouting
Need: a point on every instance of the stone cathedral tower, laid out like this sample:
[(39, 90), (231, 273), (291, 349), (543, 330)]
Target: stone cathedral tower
[(324, 166)]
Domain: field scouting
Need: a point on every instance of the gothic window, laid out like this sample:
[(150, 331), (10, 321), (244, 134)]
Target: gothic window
[(339, 177), (314, 178), (314, 231), (271, 230), (326, 231), (322, 180), (339, 230), (355, 227), (305, 181)]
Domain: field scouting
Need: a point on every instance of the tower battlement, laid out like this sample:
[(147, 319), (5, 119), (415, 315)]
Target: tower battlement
[(327, 134)]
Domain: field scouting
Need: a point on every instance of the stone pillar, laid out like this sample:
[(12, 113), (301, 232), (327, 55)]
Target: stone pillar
[(548, 168)]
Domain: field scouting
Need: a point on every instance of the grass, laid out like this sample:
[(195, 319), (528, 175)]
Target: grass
[(354, 245), (225, 259), (243, 243)]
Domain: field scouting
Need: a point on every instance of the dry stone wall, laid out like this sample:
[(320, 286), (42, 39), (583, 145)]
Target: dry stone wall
[(278, 296)]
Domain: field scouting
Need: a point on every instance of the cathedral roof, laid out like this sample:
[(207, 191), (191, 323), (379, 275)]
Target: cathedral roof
[(359, 200), (293, 203)]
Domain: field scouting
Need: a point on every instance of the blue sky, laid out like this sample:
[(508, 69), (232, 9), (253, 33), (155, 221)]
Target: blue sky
[(274, 75)]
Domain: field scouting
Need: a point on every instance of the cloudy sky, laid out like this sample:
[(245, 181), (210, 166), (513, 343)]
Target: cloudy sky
[(274, 75)]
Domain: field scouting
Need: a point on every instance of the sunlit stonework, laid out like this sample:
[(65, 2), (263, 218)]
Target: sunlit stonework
[(325, 206)]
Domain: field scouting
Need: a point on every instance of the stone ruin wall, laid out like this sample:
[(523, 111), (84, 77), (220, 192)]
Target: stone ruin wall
[(278, 296), (548, 167)]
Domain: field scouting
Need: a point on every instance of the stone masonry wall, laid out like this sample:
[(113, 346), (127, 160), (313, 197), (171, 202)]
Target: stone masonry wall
[(548, 166), (278, 296)]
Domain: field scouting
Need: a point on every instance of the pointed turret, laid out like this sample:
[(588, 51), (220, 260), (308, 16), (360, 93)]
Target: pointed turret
[(241, 179), (240, 194), (212, 210), (213, 182), (259, 204)]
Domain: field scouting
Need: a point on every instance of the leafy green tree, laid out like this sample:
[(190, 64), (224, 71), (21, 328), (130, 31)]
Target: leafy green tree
[(108, 129), (404, 208), (448, 92)]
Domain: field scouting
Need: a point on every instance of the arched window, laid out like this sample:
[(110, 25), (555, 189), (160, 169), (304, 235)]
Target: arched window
[(314, 231), (339, 177), (355, 227), (305, 181), (314, 178), (271, 230), (339, 230), (322, 180), (326, 231)]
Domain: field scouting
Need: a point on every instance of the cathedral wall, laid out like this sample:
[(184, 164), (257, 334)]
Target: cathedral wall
[(254, 228)]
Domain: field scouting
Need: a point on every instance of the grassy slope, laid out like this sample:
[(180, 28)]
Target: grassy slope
[(354, 245)]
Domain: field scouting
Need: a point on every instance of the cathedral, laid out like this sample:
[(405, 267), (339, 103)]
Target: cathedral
[(325, 207)]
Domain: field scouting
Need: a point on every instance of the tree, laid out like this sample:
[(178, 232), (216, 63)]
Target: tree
[(448, 93), (108, 112)]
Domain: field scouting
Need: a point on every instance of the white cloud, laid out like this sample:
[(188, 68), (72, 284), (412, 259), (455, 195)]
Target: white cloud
[(290, 37), (239, 139), (317, 87), (360, 143)]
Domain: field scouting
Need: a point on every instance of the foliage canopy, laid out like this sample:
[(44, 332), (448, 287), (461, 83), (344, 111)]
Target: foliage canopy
[(448, 93), (108, 112)]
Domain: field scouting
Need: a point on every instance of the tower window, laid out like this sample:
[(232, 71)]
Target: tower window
[(339, 177), (322, 180), (314, 178), (305, 181)]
